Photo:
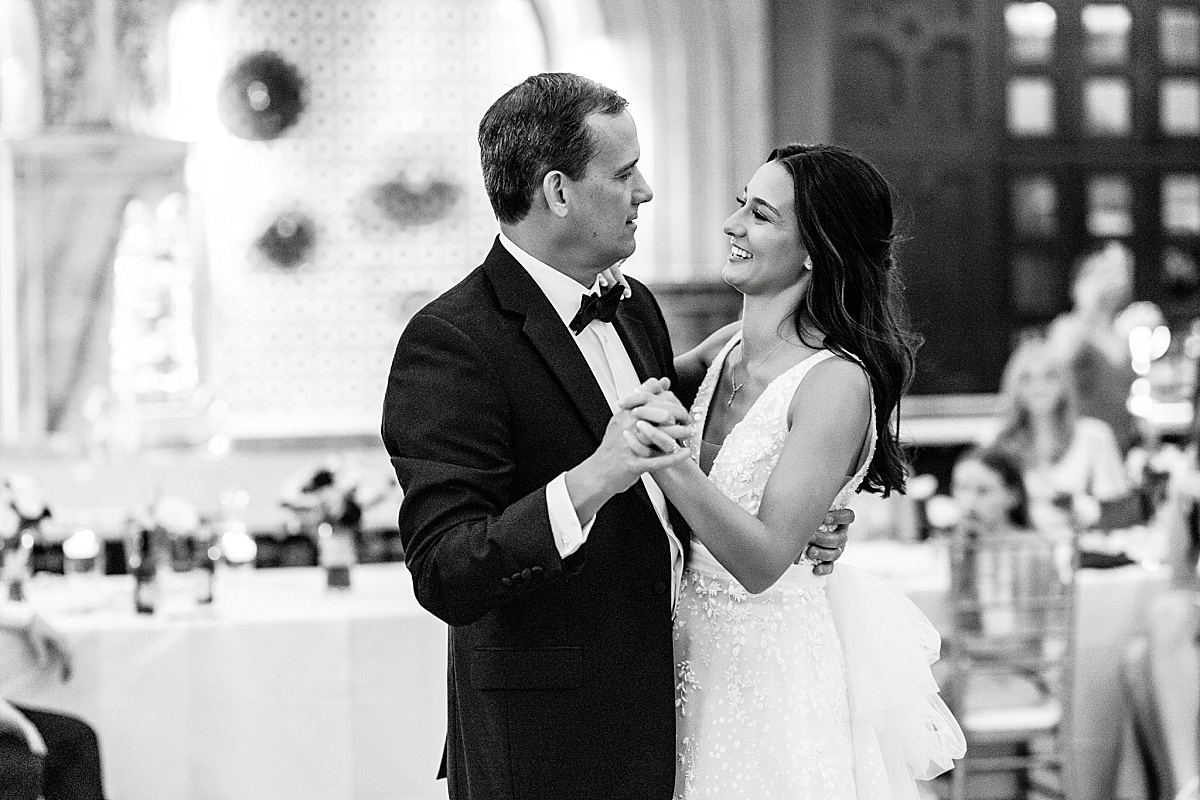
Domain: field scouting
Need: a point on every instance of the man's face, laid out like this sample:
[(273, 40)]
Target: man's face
[(605, 200)]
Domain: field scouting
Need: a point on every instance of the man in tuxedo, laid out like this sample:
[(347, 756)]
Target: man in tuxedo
[(528, 524), (44, 754)]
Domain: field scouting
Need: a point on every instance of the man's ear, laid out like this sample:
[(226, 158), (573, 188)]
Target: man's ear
[(554, 189)]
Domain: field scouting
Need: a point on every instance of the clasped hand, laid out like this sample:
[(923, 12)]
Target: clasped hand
[(623, 457), (661, 422)]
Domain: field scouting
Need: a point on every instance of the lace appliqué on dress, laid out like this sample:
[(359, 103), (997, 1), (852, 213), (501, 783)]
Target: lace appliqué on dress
[(761, 682), (767, 708)]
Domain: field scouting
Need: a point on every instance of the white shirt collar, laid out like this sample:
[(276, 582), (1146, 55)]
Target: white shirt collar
[(563, 293)]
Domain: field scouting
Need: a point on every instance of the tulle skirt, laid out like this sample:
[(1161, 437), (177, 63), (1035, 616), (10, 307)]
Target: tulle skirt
[(818, 687)]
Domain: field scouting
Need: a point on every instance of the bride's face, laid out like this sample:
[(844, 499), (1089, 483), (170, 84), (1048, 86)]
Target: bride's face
[(765, 252)]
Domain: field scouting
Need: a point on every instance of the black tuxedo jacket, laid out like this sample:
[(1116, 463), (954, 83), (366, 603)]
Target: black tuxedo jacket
[(560, 672)]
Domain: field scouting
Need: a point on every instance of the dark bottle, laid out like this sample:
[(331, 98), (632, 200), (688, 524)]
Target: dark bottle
[(206, 568), (145, 575), (335, 545)]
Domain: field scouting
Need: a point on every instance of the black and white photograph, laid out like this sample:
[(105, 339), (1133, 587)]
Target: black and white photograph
[(599, 399)]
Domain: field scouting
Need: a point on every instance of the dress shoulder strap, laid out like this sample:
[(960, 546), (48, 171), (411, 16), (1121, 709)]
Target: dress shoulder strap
[(791, 382)]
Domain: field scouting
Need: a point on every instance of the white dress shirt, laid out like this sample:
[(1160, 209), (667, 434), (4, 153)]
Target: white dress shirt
[(605, 354)]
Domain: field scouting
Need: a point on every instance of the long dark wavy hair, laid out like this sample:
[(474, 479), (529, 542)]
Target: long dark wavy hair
[(844, 210)]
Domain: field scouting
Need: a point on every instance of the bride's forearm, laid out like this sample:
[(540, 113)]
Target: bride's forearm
[(753, 553)]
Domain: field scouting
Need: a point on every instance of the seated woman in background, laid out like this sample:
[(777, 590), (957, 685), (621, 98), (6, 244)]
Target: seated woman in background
[(1063, 455), (1000, 561)]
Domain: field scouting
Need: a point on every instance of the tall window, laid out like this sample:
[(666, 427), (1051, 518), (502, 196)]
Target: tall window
[(1102, 124)]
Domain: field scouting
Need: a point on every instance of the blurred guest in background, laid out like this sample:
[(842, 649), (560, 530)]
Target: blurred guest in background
[(1088, 342), (1064, 456), (989, 489), (44, 754), (1174, 624), (998, 554)]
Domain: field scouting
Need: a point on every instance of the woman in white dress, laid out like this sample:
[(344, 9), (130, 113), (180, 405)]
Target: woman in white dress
[(793, 685)]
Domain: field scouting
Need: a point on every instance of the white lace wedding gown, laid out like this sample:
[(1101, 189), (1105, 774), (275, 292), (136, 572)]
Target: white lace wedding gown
[(816, 688)]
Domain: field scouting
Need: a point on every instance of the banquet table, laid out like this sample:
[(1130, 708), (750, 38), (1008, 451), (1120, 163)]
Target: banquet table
[(279, 689), (1110, 610), (283, 689)]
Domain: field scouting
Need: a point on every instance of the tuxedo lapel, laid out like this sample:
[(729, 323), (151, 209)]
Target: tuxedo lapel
[(518, 293), (637, 345)]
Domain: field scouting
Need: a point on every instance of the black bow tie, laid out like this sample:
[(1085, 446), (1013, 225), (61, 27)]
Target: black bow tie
[(597, 306)]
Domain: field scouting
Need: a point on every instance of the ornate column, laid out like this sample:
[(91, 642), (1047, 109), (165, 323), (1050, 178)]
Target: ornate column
[(64, 186)]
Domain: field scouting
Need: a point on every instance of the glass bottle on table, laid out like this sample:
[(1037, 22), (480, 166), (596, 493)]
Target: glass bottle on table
[(15, 568), (145, 574), (207, 554), (335, 545)]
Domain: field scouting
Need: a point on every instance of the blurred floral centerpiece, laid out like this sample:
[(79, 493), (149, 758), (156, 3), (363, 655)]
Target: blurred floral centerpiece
[(168, 538), (23, 512), (336, 492), (168, 529), (328, 503)]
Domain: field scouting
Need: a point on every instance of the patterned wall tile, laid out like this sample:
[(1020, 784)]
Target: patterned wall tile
[(394, 88)]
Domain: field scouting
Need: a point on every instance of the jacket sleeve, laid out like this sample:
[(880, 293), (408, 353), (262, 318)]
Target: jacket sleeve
[(470, 545)]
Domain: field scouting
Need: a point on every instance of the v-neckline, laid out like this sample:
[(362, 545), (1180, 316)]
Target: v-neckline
[(714, 377)]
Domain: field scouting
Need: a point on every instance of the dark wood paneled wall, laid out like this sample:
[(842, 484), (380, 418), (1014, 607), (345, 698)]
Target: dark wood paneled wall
[(906, 83), (694, 310), (923, 88)]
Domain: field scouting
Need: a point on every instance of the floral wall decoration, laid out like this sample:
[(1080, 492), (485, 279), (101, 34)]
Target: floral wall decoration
[(408, 204), (261, 97), (392, 88), (289, 240)]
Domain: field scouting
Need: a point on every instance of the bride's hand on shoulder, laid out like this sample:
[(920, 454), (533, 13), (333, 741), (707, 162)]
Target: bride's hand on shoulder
[(691, 366)]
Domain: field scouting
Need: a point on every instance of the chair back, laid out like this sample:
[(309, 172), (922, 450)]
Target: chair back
[(1009, 650)]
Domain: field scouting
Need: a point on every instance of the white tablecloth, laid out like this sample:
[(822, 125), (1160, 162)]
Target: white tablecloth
[(280, 690), (284, 690), (1111, 609)]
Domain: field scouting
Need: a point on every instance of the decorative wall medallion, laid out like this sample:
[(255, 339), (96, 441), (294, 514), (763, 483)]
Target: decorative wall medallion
[(261, 97), (407, 204), (288, 241)]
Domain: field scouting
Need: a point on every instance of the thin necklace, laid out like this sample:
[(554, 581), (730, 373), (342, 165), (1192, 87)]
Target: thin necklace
[(733, 378)]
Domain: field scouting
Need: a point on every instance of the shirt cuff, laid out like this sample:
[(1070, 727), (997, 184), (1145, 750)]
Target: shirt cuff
[(569, 535)]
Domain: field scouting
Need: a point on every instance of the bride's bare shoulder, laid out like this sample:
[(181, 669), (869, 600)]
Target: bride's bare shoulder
[(837, 382)]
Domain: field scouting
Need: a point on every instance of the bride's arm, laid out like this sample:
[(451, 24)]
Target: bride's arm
[(691, 366), (832, 409)]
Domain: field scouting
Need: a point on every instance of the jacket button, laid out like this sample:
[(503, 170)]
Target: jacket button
[(660, 587)]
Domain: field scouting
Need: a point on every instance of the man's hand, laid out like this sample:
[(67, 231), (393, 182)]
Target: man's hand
[(827, 544), (663, 423), (14, 722), (48, 646)]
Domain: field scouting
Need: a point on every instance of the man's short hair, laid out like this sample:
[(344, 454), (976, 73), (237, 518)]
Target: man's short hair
[(537, 126)]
